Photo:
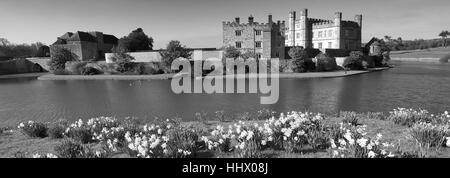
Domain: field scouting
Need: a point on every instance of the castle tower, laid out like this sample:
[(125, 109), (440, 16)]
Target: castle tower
[(291, 27), (270, 20), (358, 19), (337, 30), (305, 31)]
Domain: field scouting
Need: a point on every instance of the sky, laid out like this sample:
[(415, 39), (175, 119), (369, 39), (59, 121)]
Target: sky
[(198, 23)]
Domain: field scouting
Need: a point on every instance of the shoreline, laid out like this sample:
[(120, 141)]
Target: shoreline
[(333, 74), (23, 75)]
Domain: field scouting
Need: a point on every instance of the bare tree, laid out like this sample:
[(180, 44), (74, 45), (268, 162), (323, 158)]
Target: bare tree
[(4, 42)]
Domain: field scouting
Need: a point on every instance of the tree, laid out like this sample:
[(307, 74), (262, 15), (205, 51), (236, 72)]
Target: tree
[(59, 58), (173, 51), (444, 35), (123, 60), (300, 57), (249, 54), (231, 52), (137, 40)]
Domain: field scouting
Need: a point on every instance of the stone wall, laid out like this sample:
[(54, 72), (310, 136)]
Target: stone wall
[(43, 62), (18, 66), (154, 56)]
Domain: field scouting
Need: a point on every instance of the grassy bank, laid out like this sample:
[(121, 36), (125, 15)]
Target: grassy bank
[(401, 133), (170, 76)]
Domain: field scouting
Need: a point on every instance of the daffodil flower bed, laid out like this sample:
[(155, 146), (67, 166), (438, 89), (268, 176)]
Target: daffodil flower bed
[(293, 132)]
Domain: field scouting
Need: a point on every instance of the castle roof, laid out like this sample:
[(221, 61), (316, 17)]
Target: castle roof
[(84, 36), (110, 39)]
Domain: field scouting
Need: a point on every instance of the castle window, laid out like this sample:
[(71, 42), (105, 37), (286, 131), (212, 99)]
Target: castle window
[(330, 33), (298, 35), (258, 44), (258, 32), (238, 44), (330, 45), (320, 34), (277, 54), (238, 32), (320, 45)]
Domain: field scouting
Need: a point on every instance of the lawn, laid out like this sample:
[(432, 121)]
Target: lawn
[(426, 53)]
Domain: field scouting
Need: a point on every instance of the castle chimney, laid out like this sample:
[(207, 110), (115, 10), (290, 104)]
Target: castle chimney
[(358, 19), (237, 20), (250, 19), (337, 18)]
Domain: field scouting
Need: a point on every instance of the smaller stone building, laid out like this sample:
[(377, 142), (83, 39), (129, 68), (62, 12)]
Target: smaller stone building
[(266, 40), (86, 45)]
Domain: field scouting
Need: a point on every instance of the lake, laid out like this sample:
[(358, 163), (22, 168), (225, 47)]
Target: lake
[(416, 85)]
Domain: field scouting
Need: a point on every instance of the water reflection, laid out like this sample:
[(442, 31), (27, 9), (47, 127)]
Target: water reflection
[(408, 85)]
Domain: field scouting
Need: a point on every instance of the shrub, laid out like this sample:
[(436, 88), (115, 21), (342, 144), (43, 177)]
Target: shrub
[(408, 117), (428, 135), (153, 141), (59, 58), (231, 52), (131, 125), (220, 116), (124, 62), (4, 130), (57, 130), (75, 67), (201, 117), (356, 144), (243, 116), (80, 134), (219, 140), (182, 143), (286, 65), (376, 115), (317, 136), (352, 64), (266, 114), (90, 71), (152, 68), (350, 118), (69, 149), (33, 129), (325, 63)]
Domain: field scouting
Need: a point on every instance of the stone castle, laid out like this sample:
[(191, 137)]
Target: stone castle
[(266, 40), (323, 34), (86, 45)]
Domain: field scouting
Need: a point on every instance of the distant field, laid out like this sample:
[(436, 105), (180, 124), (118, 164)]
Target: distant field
[(427, 53)]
